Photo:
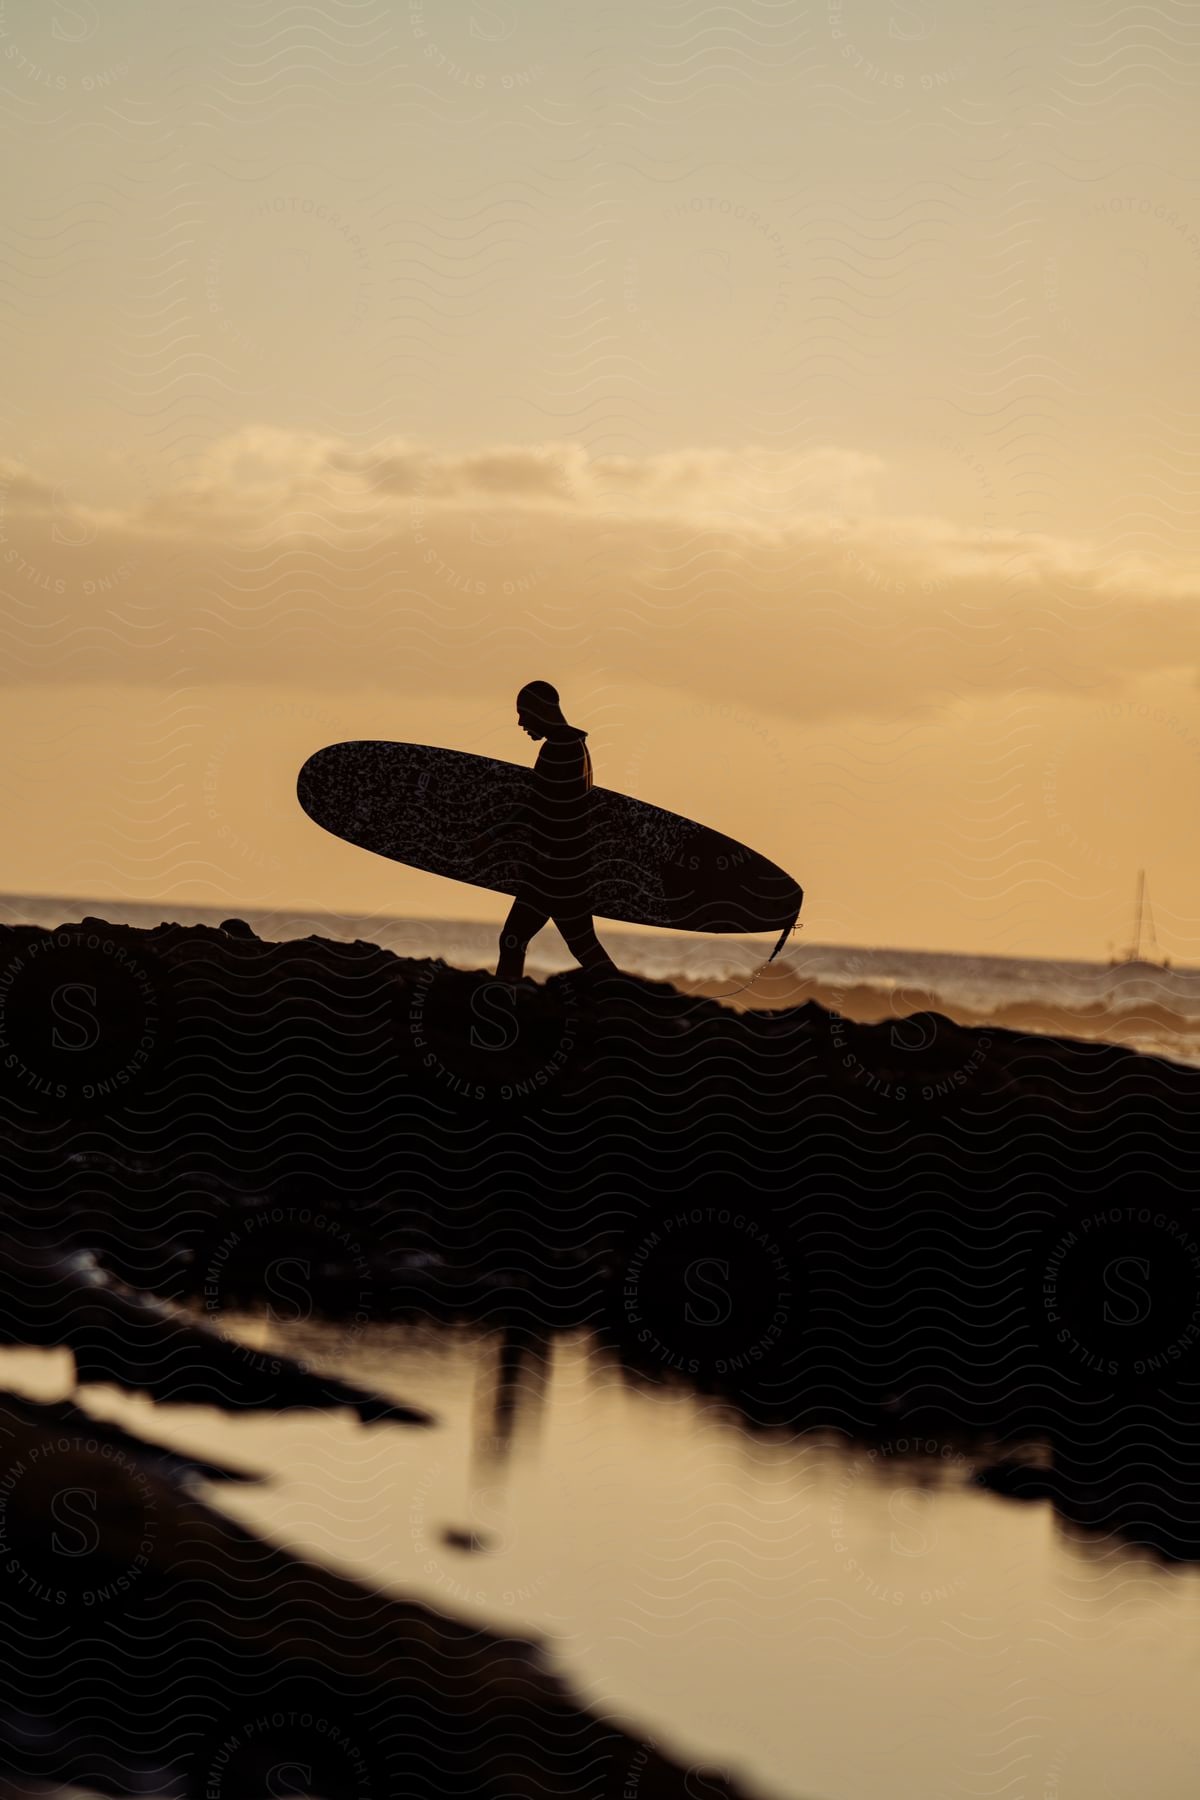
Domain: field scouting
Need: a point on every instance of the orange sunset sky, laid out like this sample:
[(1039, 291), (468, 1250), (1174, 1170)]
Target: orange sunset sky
[(809, 392)]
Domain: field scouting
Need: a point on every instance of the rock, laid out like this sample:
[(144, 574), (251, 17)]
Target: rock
[(469, 1542), (238, 928), (148, 1345), (312, 1112)]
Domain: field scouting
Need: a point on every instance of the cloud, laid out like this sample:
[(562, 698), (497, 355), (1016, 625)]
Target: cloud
[(509, 472), (760, 485), (21, 489), (753, 487), (762, 576)]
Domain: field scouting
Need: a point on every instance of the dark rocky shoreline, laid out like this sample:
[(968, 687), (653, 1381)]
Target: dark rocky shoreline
[(910, 1227), (434, 1142)]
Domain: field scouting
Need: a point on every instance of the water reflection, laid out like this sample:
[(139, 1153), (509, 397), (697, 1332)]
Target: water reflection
[(512, 1392), (841, 1619)]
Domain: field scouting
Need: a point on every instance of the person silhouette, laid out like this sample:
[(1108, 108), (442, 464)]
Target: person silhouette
[(555, 825)]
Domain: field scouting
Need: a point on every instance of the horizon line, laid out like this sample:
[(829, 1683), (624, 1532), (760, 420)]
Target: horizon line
[(641, 932)]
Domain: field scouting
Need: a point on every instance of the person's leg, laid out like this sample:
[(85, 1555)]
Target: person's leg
[(523, 922), (579, 934)]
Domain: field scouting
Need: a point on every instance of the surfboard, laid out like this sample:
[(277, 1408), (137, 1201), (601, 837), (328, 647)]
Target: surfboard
[(425, 807)]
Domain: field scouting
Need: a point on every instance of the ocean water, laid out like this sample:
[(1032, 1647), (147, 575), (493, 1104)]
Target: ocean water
[(1147, 1007)]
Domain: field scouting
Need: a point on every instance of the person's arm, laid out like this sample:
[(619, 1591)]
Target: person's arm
[(511, 826)]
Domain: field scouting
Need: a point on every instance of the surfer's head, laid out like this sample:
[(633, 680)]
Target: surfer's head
[(538, 707)]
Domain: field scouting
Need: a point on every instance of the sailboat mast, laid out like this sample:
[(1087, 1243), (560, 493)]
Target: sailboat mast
[(1151, 933)]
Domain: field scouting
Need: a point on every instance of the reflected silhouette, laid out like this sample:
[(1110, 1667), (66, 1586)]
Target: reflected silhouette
[(509, 1400), (512, 1398), (556, 837)]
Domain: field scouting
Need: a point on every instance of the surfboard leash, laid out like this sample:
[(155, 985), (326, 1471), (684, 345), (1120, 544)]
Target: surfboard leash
[(784, 935)]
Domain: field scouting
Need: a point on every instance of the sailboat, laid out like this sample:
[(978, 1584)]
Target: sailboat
[(1143, 919)]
